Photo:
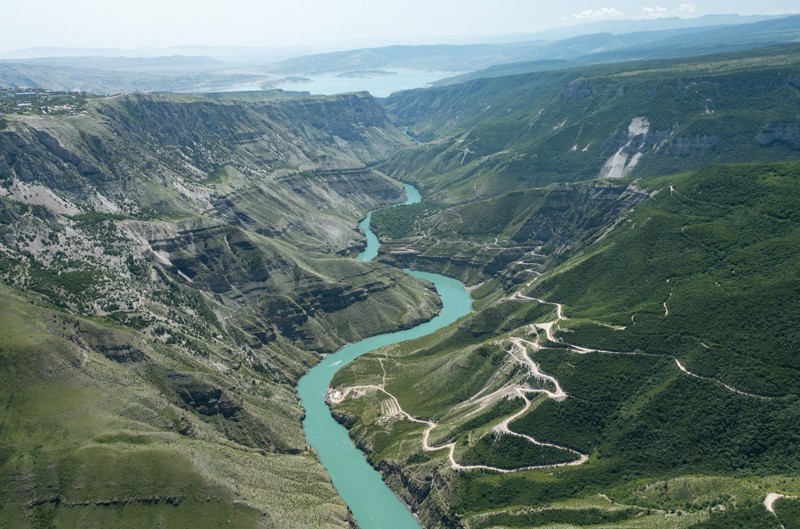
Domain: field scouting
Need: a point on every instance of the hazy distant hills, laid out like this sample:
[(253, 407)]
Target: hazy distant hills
[(664, 44), (209, 69), (171, 62), (639, 39), (223, 53), (472, 56), (111, 81), (652, 24)]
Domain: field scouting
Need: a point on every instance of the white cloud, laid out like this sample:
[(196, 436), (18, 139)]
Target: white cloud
[(685, 9), (654, 12), (602, 12)]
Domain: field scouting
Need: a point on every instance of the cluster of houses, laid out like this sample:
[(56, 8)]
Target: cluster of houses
[(38, 101)]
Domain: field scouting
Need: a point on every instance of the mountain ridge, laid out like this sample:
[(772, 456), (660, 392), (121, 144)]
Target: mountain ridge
[(170, 270)]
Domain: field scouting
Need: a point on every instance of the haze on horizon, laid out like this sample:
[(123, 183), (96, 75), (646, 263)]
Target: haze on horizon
[(318, 23)]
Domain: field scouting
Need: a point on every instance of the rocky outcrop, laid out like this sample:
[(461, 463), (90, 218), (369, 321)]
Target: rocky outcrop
[(288, 317), (175, 144), (415, 491), (346, 182), (787, 132), (346, 116), (634, 143), (111, 502), (209, 401), (316, 299), (688, 146), (569, 217), (457, 265), (123, 353), (35, 156), (577, 89), (573, 211)]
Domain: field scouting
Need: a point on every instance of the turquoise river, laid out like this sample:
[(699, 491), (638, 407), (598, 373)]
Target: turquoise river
[(373, 504)]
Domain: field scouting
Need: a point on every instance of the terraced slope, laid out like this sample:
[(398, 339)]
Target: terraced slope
[(170, 270)]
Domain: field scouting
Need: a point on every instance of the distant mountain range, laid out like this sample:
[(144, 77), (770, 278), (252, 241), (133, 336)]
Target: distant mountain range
[(621, 27), (665, 44), (569, 43), (222, 53), (209, 69)]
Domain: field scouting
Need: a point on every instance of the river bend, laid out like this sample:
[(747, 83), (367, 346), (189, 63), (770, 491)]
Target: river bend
[(373, 504)]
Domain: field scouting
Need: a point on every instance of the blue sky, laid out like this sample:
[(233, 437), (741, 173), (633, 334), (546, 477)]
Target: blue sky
[(161, 23)]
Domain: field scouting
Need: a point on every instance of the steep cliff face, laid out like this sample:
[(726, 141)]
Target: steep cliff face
[(511, 238), (221, 196), (174, 146), (787, 132)]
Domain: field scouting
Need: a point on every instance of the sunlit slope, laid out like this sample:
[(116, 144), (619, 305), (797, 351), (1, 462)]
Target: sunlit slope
[(103, 427), (664, 351), (708, 264)]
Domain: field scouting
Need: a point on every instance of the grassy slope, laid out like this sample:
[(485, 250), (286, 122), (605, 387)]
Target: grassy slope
[(659, 440), (92, 442), (719, 249)]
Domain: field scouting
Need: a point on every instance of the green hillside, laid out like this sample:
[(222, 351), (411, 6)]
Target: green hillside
[(492, 136), (104, 428), (676, 352)]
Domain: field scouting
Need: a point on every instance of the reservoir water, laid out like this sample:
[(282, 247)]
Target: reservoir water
[(378, 84), (373, 504)]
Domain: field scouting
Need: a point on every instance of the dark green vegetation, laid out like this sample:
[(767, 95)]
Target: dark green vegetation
[(788, 511), (170, 270), (718, 246), (678, 344), (509, 452)]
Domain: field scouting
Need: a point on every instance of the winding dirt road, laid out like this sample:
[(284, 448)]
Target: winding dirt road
[(518, 354), (548, 328), (724, 385)]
